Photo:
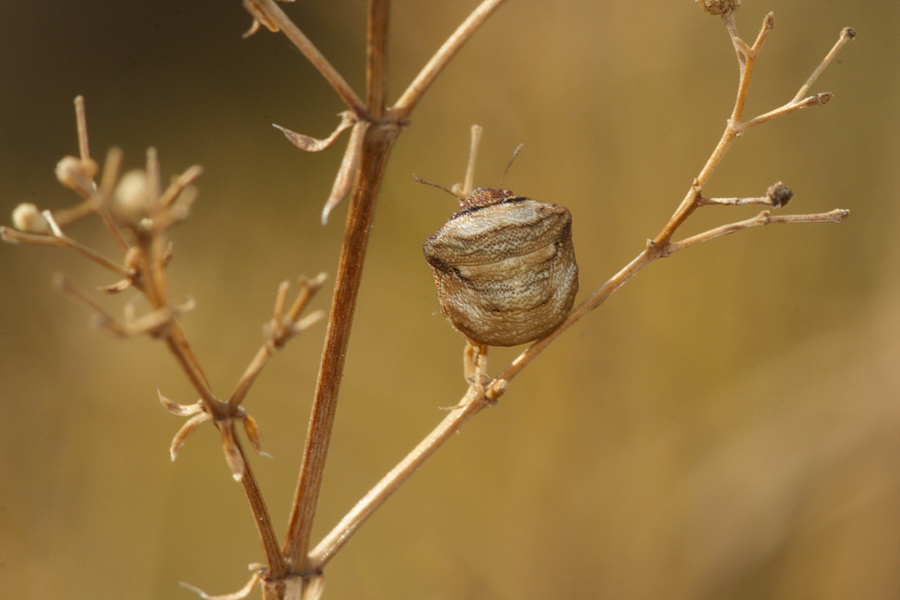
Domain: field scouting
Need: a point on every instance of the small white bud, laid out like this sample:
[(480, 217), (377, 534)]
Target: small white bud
[(26, 217), (131, 195), (75, 174)]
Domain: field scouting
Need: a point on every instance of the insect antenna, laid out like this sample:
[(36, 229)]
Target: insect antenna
[(438, 186), (506, 170)]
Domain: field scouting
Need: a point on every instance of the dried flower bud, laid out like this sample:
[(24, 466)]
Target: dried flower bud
[(76, 174), (779, 194), (718, 7), (131, 195), (26, 217)]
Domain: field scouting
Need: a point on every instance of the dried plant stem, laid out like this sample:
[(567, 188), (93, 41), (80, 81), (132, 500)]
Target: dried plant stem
[(277, 566), (181, 350), (847, 34), (275, 16), (65, 216), (60, 239), (376, 149), (746, 56), (81, 123), (282, 328), (471, 404), (764, 218), (376, 59), (447, 51)]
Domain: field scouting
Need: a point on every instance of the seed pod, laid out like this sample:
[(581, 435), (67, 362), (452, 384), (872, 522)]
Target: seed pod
[(504, 267)]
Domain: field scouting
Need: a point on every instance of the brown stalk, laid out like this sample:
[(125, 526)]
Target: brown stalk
[(377, 144), (274, 559)]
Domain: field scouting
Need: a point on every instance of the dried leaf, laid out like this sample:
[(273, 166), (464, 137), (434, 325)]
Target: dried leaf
[(179, 410), (310, 144), (238, 595), (117, 287), (344, 180), (186, 430), (252, 429)]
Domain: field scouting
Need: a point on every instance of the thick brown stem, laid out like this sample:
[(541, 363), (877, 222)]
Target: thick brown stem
[(376, 59), (377, 147)]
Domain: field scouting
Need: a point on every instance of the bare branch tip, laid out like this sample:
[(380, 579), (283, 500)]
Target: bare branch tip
[(307, 322)]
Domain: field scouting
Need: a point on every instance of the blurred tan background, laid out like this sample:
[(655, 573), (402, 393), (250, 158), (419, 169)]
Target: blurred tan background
[(727, 426)]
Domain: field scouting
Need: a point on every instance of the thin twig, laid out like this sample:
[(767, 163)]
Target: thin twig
[(58, 238), (282, 329), (837, 215), (177, 187), (100, 199), (735, 127), (847, 34), (278, 567), (81, 123), (332, 543), (447, 51), (273, 13)]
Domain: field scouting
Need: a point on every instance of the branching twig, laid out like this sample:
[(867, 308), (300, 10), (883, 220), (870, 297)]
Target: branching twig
[(281, 329)]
